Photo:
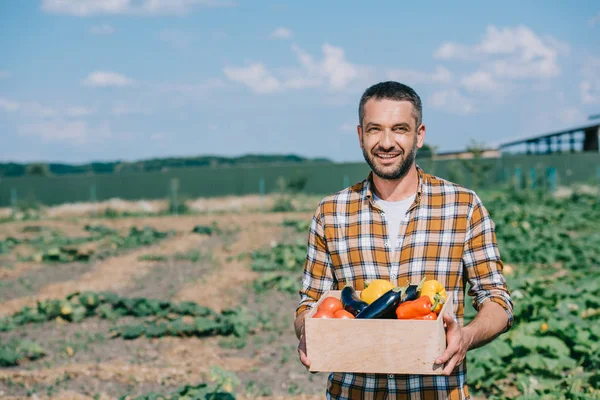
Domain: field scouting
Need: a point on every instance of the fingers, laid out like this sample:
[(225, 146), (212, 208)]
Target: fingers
[(451, 364), (450, 351), (302, 352), (303, 358), (449, 320), (453, 338)]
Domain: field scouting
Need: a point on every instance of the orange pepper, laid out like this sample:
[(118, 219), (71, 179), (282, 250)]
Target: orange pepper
[(414, 309)]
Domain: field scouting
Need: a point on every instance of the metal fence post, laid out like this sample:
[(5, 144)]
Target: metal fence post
[(552, 178), (174, 200), (93, 198), (261, 190), (346, 181), (517, 179), (532, 177), (13, 199)]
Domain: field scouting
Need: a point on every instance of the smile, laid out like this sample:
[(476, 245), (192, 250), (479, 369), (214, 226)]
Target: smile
[(386, 156)]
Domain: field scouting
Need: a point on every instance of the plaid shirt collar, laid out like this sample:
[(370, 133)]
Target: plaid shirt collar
[(367, 193)]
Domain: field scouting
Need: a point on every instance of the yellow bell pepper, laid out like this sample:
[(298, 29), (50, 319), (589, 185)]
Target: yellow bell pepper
[(375, 289), (433, 289)]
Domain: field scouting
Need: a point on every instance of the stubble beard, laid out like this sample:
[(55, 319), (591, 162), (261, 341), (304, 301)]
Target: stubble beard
[(400, 171)]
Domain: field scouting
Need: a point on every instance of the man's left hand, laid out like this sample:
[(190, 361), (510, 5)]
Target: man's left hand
[(458, 341)]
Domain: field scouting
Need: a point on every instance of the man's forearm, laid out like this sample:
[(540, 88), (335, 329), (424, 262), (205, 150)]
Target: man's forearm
[(489, 322)]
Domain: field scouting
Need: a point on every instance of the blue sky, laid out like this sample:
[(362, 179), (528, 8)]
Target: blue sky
[(85, 80)]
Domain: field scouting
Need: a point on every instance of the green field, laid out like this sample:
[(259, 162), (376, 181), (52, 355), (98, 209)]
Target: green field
[(201, 305)]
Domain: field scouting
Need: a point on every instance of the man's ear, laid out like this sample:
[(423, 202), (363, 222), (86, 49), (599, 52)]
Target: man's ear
[(421, 130), (359, 131)]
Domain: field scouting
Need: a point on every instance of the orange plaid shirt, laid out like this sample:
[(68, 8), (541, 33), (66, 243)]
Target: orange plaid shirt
[(447, 235)]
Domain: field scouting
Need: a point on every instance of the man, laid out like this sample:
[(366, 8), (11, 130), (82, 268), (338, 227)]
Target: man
[(402, 224)]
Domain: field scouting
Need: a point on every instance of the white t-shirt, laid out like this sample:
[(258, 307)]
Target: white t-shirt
[(395, 212)]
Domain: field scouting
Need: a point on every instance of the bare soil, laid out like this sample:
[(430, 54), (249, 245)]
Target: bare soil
[(105, 368)]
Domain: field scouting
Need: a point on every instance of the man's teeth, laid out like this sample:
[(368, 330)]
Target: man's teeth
[(387, 155)]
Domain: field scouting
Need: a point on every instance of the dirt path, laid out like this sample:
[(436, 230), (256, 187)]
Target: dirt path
[(225, 286), (112, 274)]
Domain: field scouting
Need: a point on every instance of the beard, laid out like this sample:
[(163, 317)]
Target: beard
[(392, 172)]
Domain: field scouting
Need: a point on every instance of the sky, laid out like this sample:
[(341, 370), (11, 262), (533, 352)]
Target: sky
[(105, 80)]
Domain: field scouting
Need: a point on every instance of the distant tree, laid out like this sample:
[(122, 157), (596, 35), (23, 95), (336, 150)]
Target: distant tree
[(475, 166), (38, 169), (427, 151)]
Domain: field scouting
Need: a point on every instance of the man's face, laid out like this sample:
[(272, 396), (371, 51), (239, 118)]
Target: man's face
[(389, 138)]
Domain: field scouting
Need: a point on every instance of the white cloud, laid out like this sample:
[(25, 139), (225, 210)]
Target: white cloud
[(512, 53), (589, 88), (75, 131), (103, 29), (9, 106), (452, 101), (4, 74), (333, 71), (282, 33), (409, 76), (255, 76), (479, 81), (40, 111), (84, 8), (175, 38), (77, 112), (595, 20), (30, 109), (106, 79)]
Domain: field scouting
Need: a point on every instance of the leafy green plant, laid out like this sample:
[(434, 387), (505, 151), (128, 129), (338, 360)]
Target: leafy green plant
[(16, 351)]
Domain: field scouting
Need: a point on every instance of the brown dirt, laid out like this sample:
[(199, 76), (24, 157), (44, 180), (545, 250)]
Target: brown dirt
[(71, 228), (112, 274), (225, 287), (112, 367), (29, 281), (18, 269)]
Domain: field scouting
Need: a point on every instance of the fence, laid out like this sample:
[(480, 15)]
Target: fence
[(554, 169)]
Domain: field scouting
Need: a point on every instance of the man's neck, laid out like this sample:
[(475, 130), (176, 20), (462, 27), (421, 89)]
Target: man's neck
[(399, 189)]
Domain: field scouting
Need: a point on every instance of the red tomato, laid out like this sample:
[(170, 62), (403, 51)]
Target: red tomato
[(323, 314), (343, 314), (331, 305)]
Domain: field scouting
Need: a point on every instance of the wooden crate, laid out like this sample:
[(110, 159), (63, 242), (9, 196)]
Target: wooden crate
[(386, 346)]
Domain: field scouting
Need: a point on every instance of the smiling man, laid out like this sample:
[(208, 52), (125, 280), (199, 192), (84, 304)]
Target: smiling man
[(402, 224)]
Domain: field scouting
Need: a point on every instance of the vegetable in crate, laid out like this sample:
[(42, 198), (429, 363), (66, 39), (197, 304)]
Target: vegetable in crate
[(352, 303), (411, 292), (375, 289), (383, 307), (433, 289), (343, 314), (331, 305), (417, 309)]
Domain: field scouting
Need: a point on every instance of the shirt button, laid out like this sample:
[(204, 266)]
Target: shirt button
[(382, 214), (393, 276), (391, 376), (386, 244)]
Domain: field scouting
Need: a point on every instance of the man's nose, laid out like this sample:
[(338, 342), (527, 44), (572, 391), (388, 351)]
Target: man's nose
[(387, 141)]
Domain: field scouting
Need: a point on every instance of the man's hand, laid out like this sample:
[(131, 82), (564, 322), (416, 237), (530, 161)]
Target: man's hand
[(299, 327), (487, 325), (302, 351), (458, 342)]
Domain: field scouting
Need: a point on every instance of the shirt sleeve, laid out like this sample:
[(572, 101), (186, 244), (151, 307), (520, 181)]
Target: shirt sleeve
[(318, 277), (481, 259)]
